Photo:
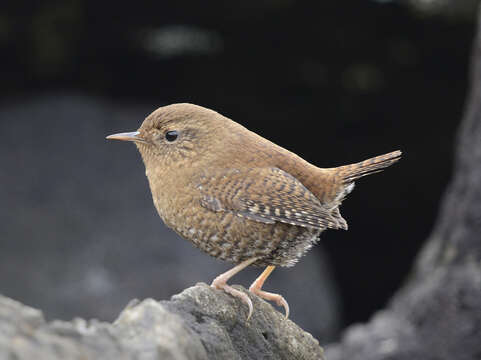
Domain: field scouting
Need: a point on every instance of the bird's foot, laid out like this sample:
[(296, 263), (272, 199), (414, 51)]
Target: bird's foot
[(222, 285), (220, 282), (278, 299), (256, 288)]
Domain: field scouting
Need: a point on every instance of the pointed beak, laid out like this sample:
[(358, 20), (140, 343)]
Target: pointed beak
[(127, 136)]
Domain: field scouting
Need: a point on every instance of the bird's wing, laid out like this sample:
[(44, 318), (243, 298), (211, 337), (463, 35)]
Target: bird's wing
[(264, 194)]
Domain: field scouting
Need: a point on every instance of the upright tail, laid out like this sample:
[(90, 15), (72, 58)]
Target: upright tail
[(349, 173)]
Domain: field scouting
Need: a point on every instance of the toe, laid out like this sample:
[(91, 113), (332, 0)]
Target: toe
[(282, 302), (236, 293), (278, 299)]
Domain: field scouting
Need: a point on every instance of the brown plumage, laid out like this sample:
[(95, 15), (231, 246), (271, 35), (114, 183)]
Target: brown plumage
[(238, 196)]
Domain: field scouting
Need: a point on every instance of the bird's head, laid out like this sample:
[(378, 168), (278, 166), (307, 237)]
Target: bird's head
[(178, 135)]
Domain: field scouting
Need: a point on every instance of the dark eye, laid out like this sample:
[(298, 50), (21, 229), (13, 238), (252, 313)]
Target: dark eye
[(171, 135)]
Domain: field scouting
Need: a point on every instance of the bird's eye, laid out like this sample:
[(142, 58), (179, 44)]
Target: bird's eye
[(171, 135)]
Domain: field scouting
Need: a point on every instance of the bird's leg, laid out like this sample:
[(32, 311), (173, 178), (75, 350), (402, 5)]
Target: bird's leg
[(220, 282), (256, 287)]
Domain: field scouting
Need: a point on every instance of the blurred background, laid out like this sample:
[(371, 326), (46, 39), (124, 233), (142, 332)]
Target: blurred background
[(334, 81)]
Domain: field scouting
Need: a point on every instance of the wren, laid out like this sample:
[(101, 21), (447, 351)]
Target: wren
[(237, 196)]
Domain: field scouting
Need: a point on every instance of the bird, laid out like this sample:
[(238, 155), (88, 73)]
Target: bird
[(238, 196)]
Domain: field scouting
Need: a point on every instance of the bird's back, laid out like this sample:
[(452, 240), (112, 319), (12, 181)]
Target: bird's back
[(328, 185)]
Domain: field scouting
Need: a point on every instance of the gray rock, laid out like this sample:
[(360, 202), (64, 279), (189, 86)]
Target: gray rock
[(199, 323), (437, 314)]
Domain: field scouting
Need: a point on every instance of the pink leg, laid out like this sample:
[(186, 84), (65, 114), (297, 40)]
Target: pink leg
[(256, 287), (220, 282)]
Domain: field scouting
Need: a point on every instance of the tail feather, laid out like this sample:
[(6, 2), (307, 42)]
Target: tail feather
[(349, 173)]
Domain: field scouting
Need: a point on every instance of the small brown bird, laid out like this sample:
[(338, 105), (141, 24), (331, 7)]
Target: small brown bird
[(237, 196)]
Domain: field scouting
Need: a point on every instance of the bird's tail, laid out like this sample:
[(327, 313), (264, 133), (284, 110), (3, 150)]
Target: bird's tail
[(349, 173)]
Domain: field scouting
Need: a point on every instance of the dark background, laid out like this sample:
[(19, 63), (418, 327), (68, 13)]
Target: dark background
[(334, 81)]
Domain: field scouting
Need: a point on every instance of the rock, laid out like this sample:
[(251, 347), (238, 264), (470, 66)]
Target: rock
[(437, 314), (199, 323)]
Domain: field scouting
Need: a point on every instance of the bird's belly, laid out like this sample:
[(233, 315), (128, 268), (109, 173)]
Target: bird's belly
[(227, 236)]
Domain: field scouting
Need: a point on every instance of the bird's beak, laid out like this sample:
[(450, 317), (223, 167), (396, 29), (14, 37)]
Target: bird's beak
[(127, 136)]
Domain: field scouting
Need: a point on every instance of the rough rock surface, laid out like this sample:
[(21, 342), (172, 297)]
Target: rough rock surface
[(199, 323), (437, 314)]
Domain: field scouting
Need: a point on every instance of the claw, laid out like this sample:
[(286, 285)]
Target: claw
[(282, 302), (278, 299), (236, 293), (220, 282)]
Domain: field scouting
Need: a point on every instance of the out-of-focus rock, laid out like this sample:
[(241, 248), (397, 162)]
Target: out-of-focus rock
[(457, 9), (437, 314)]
